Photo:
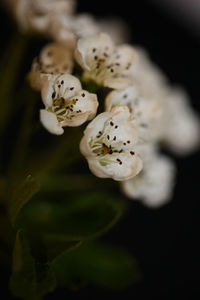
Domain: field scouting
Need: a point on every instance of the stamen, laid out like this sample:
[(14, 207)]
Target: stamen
[(119, 160)]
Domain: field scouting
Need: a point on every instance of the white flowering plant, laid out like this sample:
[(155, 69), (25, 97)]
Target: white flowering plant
[(92, 116)]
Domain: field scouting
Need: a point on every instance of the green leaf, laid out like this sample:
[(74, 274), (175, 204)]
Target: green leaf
[(30, 279), (102, 265), (21, 195), (76, 219)]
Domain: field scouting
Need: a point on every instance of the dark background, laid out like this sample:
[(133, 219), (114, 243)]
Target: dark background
[(165, 241)]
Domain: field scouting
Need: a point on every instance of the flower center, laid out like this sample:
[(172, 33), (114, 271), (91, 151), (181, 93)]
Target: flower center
[(64, 108), (105, 146), (104, 64)]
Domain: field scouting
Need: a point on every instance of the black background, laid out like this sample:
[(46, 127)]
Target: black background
[(165, 241)]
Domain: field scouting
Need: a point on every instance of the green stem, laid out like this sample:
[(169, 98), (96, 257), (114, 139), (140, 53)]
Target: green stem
[(90, 85), (21, 149), (8, 75)]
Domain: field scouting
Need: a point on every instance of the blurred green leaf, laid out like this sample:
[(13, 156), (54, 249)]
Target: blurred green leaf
[(56, 245), (21, 195), (102, 265), (30, 279), (76, 219), (73, 182)]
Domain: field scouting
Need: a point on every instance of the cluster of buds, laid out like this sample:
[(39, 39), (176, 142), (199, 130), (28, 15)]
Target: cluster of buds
[(141, 110)]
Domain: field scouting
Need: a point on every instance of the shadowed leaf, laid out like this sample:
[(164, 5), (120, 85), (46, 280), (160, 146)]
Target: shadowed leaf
[(21, 196), (30, 279), (76, 220), (102, 265)]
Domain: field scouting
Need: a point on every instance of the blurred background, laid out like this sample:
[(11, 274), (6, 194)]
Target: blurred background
[(165, 241)]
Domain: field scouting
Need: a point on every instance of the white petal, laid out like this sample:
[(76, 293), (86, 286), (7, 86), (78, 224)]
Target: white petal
[(128, 56), (50, 122), (71, 85), (85, 46), (154, 185), (86, 103), (47, 90), (130, 167), (117, 83), (121, 97)]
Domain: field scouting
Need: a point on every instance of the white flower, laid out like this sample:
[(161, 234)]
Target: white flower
[(108, 145), (66, 104), (67, 29), (103, 62), (145, 112), (54, 58), (35, 15), (181, 125), (149, 79), (154, 185)]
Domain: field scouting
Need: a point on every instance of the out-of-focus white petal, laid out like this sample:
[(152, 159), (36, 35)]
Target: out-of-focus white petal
[(115, 27), (35, 15), (148, 78), (181, 125), (146, 113), (54, 59), (154, 185), (67, 29)]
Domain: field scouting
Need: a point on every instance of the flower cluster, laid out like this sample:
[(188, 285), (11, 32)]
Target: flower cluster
[(142, 111)]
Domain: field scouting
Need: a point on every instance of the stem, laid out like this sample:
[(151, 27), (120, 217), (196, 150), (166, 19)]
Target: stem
[(8, 75), (21, 150)]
